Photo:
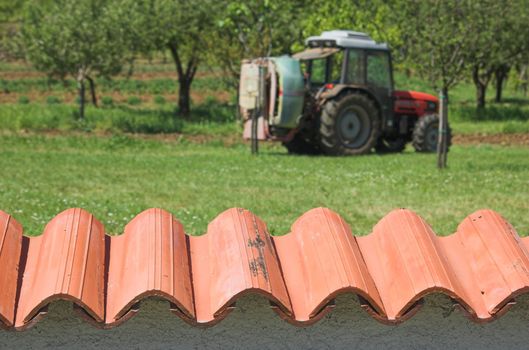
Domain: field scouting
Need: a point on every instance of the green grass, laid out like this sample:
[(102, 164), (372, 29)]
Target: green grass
[(208, 117), (489, 127), (117, 177), (116, 118)]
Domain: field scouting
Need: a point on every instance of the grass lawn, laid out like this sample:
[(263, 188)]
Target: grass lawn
[(117, 177)]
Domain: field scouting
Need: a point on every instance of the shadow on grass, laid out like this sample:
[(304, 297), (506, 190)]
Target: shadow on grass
[(157, 120), (490, 113), (514, 101)]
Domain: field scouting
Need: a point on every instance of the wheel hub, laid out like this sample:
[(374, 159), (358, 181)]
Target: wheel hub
[(354, 128)]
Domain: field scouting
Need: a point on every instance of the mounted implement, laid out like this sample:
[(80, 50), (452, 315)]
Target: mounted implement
[(336, 98)]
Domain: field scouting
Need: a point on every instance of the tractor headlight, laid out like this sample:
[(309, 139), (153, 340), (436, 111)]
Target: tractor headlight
[(431, 106)]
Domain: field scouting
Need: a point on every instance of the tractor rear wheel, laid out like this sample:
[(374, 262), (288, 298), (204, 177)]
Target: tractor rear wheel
[(390, 145), (299, 145), (349, 125), (426, 133)]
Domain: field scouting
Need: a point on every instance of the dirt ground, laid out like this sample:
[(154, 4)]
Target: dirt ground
[(495, 139), (519, 139), (118, 97)]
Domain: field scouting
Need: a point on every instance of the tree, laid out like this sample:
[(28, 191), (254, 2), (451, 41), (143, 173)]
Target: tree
[(11, 12), (186, 26), (183, 28), (82, 39), (499, 41), (435, 37), (248, 29)]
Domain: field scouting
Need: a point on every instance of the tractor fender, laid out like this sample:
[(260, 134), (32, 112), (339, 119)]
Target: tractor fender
[(340, 89)]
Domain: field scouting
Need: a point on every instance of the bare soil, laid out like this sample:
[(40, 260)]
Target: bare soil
[(495, 139), (27, 71), (69, 97), (521, 139)]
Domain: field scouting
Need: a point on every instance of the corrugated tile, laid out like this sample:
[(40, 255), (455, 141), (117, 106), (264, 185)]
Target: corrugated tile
[(482, 267), (234, 257), (491, 262), (150, 259), (65, 262), (10, 246), (320, 259), (405, 261)]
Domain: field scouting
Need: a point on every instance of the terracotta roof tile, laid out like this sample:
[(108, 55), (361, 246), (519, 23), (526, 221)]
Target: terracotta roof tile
[(10, 246), (482, 267), (403, 257), (320, 259), (491, 262), (150, 259), (65, 262), (234, 257)]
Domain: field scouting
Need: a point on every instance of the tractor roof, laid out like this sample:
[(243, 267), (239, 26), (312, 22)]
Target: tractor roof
[(315, 53), (345, 39)]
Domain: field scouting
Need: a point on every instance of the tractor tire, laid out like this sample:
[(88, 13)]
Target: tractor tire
[(349, 125), (426, 133), (299, 145), (390, 145)]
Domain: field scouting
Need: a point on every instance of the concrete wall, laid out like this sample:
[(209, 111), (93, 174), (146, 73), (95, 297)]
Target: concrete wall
[(253, 325)]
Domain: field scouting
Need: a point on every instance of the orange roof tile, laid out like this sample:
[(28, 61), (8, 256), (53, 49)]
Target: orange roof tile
[(66, 262), (10, 247), (320, 259), (403, 257), (149, 259), (234, 257), (482, 267)]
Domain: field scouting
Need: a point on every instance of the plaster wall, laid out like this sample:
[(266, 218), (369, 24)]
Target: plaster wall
[(253, 325)]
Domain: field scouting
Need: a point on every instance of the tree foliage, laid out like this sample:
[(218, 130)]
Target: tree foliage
[(447, 41), (373, 17), (82, 39), (435, 37), (247, 29), (183, 28), (500, 42), (10, 16)]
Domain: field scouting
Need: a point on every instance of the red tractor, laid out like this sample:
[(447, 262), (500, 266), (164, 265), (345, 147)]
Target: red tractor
[(336, 98)]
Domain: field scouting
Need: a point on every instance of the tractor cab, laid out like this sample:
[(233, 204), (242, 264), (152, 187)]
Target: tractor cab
[(345, 59), (356, 60)]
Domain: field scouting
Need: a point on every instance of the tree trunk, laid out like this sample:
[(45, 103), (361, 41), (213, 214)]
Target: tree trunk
[(81, 98), (442, 142), (481, 92), (500, 75), (481, 88), (499, 88), (523, 78), (92, 90), (184, 97), (445, 93), (185, 78)]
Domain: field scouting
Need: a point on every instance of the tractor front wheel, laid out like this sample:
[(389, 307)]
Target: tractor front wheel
[(426, 134), (349, 125)]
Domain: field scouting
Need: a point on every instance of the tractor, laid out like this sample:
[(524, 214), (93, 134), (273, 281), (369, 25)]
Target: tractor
[(337, 98)]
